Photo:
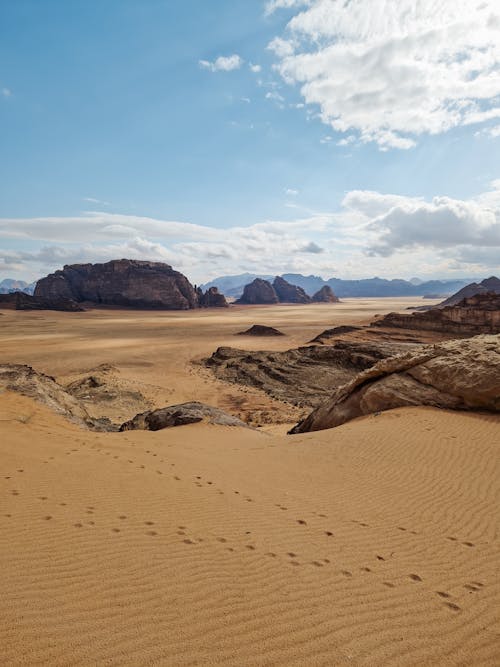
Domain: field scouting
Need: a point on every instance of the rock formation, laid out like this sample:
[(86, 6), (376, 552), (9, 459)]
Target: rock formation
[(123, 282), (491, 284), (457, 374), (470, 316), (179, 415), (325, 295), (258, 292), (260, 330), (212, 298), (304, 376), (23, 301), (288, 293), (45, 390)]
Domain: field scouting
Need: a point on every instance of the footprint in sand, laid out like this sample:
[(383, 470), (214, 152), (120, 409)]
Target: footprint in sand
[(443, 594), (415, 577), (453, 606)]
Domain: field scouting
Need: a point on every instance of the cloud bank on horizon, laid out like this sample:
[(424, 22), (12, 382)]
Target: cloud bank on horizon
[(383, 77), (443, 236)]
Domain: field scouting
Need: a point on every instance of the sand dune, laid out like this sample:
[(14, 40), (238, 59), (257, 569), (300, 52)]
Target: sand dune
[(375, 543)]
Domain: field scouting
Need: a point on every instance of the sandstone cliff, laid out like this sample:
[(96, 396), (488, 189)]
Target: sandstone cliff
[(457, 374), (23, 301), (288, 293), (258, 292), (123, 282), (212, 298), (474, 315), (325, 295), (491, 284)]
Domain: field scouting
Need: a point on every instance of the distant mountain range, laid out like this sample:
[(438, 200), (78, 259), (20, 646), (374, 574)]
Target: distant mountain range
[(233, 285), (9, 285)]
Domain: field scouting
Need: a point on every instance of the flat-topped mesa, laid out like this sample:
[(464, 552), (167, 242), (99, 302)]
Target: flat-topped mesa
[(258, 292), (471, 316), (124, 282), (325, 295), (288, 293)]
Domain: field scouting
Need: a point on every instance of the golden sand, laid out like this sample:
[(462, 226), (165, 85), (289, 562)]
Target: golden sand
[(376, 543)]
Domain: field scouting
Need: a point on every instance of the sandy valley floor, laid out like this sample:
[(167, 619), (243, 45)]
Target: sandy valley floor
[(376, 543)]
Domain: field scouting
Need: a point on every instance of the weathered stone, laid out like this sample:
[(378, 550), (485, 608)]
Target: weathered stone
[(491, 284), (258, 292), (288, 293), (124, 282), (212, 298), (457, 374), (180, 415), (325, 295), (471, 316)]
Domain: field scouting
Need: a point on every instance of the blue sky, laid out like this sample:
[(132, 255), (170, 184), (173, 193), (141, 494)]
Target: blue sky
[(276, 135)]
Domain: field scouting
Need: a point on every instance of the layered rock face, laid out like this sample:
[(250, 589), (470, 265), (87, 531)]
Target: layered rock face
[(212, 298), (123, 282), (491, 284), (325, 295), (258, 292), (305, 376), (22, 301), (473, 315), (458, 374), (288, 293)]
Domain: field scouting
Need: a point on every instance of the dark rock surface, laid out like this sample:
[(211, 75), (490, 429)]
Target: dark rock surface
[(457, 374), (124, 282), (304, 376), (260, 330), (258, 292), (23, 301), (325, 295), (288, 293), (179, 415), (212, 298), (470, 316), (491, 284)]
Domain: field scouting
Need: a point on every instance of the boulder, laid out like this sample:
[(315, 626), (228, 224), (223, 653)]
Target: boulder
[(457, 374), (288, 293), (325, 295), (260, 330), (179, 415), (124, 282), (258, 292)]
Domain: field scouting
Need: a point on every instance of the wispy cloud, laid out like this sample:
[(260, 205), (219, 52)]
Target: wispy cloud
[(6, 92), (222, 63)]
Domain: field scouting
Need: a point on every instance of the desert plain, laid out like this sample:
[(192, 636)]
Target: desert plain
[(374, 543)]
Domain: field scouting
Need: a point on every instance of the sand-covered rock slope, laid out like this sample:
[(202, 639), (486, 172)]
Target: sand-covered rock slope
[(460, 375), (180, 415)]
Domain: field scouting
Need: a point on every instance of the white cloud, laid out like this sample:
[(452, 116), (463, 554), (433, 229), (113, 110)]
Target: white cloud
[(392, 71), (273, 5), (91, 200), (222, 63), (6, 92), (373, 233), (254, 68), (291, 192)]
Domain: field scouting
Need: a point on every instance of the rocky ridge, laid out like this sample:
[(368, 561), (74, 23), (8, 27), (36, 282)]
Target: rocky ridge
[(457, 374), (258, 292), (325, 295), (180, 415), (288, 293)]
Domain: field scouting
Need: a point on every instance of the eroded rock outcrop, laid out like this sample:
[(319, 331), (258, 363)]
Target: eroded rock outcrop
[(491, 284), (457, 374), (325, 295), (304, 376), (288, 293), (124, 282), (471, 316), (23, 301), (258, 292), (260, 330), (212, 298), (45, 390), (180, 415)]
